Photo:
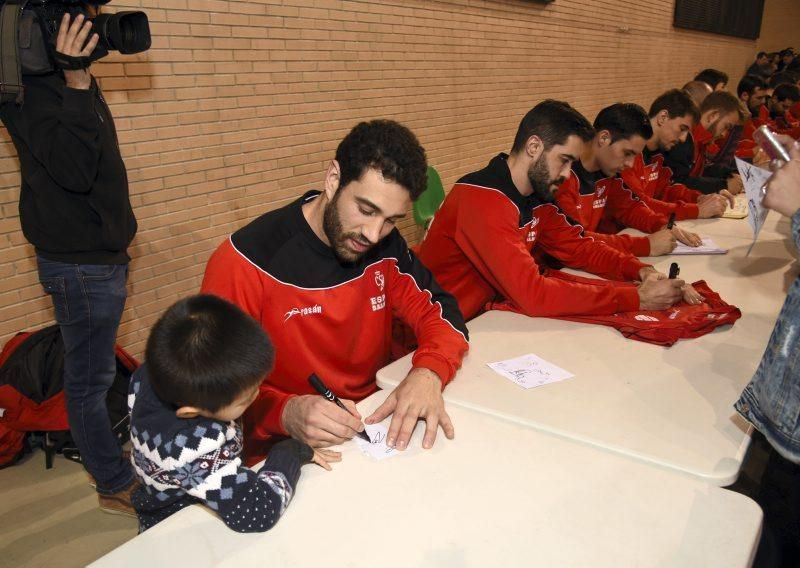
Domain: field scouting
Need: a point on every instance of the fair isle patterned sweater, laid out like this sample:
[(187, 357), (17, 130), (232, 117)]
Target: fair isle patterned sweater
[(181, 462)]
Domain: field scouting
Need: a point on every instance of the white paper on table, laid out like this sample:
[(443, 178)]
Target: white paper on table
[(529, 371), (754, 180), (707, 247), (377, 450), (739, 209)]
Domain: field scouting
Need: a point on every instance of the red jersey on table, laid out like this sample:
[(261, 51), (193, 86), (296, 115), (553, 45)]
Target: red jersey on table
[(665, 327)]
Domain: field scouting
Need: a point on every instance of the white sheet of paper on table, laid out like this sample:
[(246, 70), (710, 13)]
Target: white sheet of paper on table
[(753, 179), (378, 449), (739, 210), (708, 247), (529, 371)]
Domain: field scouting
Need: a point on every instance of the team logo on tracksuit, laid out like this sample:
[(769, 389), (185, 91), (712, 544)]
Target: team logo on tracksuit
[(531, 231), (378, 302), (305, 311)]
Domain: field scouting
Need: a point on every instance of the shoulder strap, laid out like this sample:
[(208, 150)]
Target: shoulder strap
[(11, 88)]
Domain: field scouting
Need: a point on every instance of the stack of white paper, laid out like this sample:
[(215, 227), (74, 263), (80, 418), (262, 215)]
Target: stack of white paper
[(708, 247)]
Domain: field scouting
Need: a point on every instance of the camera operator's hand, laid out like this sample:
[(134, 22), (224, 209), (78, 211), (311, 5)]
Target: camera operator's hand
[(783, 188), (71, 41)]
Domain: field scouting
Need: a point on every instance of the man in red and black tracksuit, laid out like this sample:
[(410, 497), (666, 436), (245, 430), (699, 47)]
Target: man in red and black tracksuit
[(596, 198), (753, 93), (783, 98), (488, 239), (324, 276), (672, 115), (696, 163)]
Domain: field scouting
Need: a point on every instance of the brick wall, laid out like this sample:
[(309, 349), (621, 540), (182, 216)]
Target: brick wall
[(240, 104), (780, 27)]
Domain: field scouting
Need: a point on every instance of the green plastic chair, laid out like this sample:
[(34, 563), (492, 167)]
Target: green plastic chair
[(428, 203)]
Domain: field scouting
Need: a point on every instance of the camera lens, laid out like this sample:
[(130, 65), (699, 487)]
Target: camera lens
[(126, 32)]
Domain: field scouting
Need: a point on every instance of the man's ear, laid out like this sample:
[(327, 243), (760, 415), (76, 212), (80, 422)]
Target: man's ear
[(333, 177), (187, 412), (711, 117), (603, 139), (534, 147), (662, 117), (745, 97)]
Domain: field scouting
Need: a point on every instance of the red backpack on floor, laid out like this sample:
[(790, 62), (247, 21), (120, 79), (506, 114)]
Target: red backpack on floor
[(32, 395)]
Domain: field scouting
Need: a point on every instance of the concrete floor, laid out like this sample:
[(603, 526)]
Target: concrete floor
[(50, 518)]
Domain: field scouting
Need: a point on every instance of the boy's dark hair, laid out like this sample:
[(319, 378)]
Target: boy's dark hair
[(624, 121), (786, 91), (677, 103), (552, 121), (388, 147), (749, 84), (205, 352), (724, 102), (713, 77), (781, 78), (761, 54)]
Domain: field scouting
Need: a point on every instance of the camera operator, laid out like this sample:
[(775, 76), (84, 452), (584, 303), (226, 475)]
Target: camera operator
[(771, 402), (75, 210)]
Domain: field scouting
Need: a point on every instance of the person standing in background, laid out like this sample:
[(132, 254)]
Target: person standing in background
[(75, 210)]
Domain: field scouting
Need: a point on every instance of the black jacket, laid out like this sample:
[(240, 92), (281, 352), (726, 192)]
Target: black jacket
[(680, 160), (74, 204)]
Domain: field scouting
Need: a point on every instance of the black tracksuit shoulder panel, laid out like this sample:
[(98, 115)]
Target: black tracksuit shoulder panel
[(586, 179), (496, 175), (282, 244)]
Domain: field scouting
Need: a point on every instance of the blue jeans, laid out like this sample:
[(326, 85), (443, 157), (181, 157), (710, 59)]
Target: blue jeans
[(88, 301)]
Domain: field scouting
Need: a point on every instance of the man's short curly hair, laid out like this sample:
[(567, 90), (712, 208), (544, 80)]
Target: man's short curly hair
[(386, 146)]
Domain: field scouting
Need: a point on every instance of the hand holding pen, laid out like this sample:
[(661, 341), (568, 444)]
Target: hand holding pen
[(690, 295), (318, 422), (322, 389)]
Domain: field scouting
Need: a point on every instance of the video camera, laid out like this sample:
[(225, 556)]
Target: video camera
[(28, 31)]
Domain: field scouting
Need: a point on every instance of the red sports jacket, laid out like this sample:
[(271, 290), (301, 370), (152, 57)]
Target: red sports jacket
[(487, 241), (604, 204), (326, 317), (703, 140), (665, 327), (652, 182)]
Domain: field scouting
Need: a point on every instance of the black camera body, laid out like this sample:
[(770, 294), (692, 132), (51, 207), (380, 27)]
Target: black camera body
[(34, 24)]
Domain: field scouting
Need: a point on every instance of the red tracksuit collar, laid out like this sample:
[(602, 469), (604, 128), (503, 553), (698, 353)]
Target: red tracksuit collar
[(701, 135)]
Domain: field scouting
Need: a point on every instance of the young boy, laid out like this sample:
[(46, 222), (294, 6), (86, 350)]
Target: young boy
[(205, 360)]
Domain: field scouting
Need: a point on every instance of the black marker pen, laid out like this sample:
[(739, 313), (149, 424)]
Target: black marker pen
[(671, 222), (320, 387), (674, 270)]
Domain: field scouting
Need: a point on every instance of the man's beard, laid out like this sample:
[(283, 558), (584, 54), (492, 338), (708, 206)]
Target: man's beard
[(539, 176), (713, 128), (332, 225)]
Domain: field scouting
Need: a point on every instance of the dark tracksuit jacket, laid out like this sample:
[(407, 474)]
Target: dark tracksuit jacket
[(687, 160)]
